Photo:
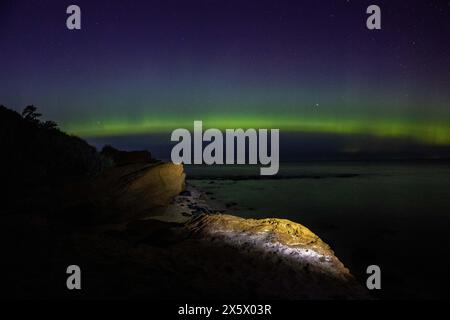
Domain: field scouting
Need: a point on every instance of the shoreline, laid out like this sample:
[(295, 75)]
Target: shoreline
[(190, 203), (276, 239)]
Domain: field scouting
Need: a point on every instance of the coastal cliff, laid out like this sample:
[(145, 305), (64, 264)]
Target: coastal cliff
[(138, 230), (125, 192), (133, 249), (206, 255), (201, 256)]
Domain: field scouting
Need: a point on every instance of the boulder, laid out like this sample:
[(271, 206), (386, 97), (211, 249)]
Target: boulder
[(300, 264)]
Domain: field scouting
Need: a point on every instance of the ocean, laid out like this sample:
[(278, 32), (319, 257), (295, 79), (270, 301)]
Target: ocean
[(393, 215)]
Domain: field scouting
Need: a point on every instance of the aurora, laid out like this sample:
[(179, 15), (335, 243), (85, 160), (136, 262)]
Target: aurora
[(429, 133), (292, 66)]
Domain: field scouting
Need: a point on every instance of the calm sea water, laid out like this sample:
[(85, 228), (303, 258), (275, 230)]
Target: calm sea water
[(396, 216)]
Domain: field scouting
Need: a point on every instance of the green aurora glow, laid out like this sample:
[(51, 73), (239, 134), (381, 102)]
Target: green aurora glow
[(301, 66), (426, 132)]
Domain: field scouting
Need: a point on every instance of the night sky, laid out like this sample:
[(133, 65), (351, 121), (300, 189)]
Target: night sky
[(312, 66)]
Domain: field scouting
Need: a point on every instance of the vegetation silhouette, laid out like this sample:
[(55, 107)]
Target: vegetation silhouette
[(37, 153)]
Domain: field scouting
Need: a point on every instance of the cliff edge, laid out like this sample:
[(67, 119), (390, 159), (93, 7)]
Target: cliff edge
[(135, 234)]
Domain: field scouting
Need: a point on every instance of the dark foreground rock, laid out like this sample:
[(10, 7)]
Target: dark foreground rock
[(209, 257)]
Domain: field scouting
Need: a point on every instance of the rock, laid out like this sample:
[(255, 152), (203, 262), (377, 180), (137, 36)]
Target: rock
[(121, 158), (125, 192), (211, 257), (155, 186), (301, 265)]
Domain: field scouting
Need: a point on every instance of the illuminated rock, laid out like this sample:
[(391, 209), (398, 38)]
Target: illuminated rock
[(125, 192), (211, 256), (298, 262)]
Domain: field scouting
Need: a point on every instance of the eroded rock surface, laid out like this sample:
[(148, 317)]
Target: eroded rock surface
[(124, 192), (301, 264)]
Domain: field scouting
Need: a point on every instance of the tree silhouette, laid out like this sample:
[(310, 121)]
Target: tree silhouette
[(49, 125), (30, 113)]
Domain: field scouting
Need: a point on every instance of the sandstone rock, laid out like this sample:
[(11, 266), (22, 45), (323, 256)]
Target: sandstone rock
[(125, 192), (300, 264)]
